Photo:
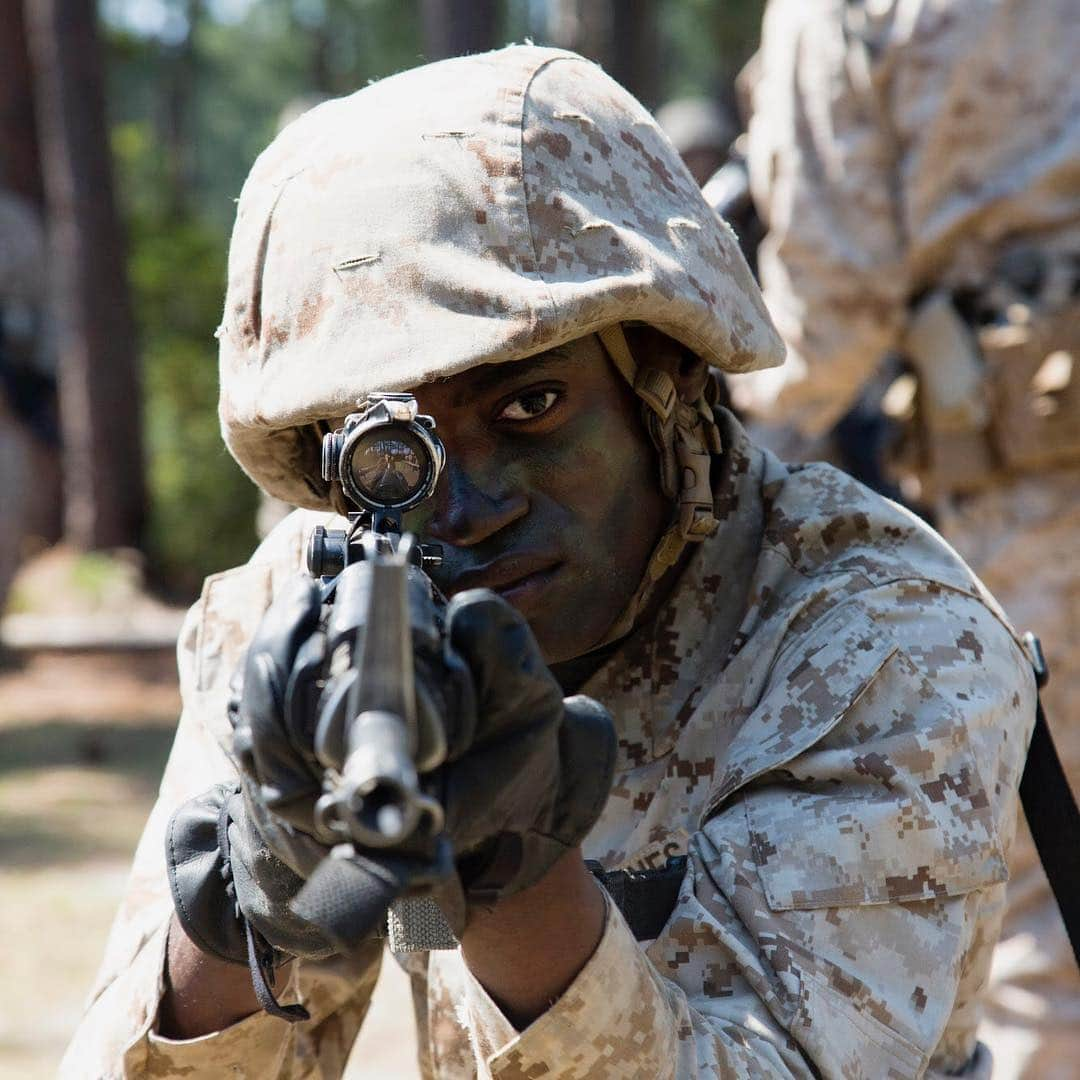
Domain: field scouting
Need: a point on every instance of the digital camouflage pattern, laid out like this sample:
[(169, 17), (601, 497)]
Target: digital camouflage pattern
[(829, 715), (897, 145), (477, 210)]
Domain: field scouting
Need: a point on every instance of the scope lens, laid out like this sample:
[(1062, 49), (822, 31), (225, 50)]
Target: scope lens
[(388, 466)]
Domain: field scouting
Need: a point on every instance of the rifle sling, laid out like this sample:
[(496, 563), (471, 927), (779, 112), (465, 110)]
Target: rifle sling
[(1054, 821)]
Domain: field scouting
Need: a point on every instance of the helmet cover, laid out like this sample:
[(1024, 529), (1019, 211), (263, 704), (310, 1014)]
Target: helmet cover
[(477, 210)]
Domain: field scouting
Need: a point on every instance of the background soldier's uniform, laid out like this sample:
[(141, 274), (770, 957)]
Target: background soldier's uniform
[(824, 715), (919, 166)]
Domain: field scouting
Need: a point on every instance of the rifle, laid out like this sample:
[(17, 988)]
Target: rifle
[(371, 740)]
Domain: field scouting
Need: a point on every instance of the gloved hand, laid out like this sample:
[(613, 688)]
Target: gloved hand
[(530, 779), (525, 777), (247, 848)]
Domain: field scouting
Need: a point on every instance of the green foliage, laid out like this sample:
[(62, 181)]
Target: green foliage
[(202, 507), (708, 41)]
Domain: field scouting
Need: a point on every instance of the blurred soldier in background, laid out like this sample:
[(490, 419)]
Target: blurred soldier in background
[(919, 168), (28, 488)]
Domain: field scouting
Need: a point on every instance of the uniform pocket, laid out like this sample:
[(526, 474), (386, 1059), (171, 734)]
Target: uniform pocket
[(891, 807)]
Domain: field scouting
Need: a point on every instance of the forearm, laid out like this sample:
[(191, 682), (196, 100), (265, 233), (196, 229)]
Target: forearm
[(528, 949), (202, 993)]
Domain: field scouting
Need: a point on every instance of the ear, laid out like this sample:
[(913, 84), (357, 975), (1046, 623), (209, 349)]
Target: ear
[(651, 348)]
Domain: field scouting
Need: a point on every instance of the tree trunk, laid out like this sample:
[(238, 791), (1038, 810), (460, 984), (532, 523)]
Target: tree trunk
[(100, 403), (20, 170), (180, 65), (637, 56), (455, 27)]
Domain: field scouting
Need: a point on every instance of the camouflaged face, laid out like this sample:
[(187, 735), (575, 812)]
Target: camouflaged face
[(474, 211)]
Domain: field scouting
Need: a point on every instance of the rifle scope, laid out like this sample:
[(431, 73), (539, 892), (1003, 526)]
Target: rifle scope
[(387, 459)]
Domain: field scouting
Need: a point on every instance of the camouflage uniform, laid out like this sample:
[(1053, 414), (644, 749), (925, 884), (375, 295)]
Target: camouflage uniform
[(829, 715), (901, 147), (916, 142)]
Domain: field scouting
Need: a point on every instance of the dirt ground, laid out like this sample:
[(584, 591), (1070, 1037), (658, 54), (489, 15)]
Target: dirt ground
[(83, 739)]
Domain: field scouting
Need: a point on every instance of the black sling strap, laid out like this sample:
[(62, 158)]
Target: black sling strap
[(1051, 812), (646, 898)]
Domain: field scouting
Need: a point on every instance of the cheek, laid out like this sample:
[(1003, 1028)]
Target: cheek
[(417, 521), (611, 486), (636, 511)]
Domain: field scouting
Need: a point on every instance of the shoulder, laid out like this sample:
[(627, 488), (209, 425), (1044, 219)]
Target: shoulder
[(824, 525), (862, 622), (873, 602), (220, 623)]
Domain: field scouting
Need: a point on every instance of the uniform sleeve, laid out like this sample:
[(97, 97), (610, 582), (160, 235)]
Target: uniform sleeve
[(116, 1037), (823, 175), (839, 911)]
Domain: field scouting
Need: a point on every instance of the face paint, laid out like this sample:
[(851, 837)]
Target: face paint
[(550, 495)]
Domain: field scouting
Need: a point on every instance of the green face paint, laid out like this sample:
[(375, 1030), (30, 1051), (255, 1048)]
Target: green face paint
[(550, 494)]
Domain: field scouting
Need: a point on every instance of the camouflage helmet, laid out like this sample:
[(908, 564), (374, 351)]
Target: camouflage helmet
[(477, 210)]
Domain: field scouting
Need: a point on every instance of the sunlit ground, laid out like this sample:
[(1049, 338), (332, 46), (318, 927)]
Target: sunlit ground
[(83, 739)]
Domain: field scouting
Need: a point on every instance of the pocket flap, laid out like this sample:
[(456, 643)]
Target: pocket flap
[(809, 694), (901, 816)]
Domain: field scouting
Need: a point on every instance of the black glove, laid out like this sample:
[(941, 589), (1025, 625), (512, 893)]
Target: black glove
[(532, 779), (526, 773), (231, 894), (525, 778)]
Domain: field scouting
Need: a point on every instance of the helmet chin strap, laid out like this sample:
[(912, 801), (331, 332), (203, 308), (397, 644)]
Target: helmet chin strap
[(685, 436)]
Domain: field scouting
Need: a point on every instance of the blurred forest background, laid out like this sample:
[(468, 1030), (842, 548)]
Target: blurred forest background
[(127, 128), (192, 92)]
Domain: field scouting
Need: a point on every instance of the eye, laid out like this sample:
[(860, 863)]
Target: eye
[(529, 405)]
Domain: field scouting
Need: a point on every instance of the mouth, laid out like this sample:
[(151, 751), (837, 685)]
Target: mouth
[(517, 578)]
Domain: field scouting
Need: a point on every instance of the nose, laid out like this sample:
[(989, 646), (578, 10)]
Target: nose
[(469, 509)]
